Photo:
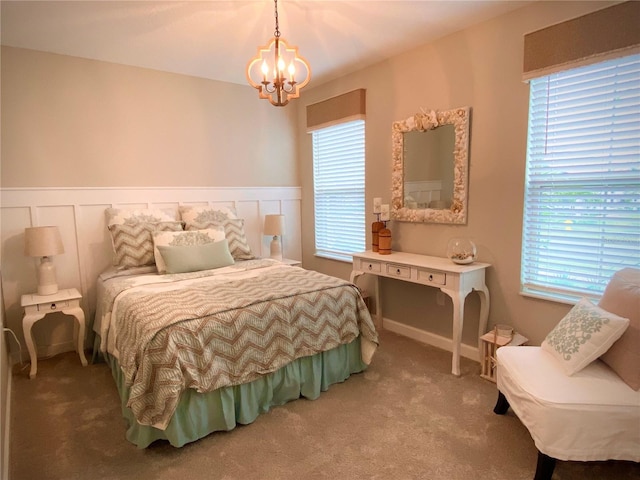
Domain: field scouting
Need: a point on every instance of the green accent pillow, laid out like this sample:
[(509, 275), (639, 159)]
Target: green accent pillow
[(585, 333), (193, 258)]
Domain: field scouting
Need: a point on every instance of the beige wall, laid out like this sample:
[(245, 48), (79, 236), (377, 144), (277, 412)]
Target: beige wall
[(71, 122), (480, 67), (74, 122)]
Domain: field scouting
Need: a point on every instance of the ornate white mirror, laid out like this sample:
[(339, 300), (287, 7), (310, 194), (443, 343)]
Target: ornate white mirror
[(430, 167)]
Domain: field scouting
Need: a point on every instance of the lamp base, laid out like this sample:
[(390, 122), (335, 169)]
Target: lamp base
[(276, 248), (47, 284)]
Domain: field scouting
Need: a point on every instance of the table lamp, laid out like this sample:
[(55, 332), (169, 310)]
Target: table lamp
[(274, 225), (44, 242)]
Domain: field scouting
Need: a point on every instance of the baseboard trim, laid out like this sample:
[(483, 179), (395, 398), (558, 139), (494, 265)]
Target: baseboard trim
[(422, 336)]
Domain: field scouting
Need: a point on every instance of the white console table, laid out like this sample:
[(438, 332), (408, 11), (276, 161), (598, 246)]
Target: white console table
[(456, 281)]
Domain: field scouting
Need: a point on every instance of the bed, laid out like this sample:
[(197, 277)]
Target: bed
[(195, 350)]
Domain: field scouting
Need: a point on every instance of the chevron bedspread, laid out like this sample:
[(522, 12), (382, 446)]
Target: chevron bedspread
[(223, 327)]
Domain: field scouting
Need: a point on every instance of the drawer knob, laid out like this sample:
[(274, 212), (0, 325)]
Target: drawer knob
[(398, 271), (370, 266), (53, 306), (431, 278)]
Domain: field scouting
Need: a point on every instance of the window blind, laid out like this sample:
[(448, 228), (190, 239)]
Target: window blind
[(582, 192), (338, 181)]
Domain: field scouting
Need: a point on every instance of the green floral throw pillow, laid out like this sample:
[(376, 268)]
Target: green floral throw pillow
[(585, 333)]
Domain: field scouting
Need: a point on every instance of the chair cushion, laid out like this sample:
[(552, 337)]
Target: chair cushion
[(591, 415), (622, 297), (585, 333)]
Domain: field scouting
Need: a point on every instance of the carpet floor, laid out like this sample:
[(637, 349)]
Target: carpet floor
[(406, 417)]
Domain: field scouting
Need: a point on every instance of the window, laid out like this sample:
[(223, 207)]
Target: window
[(338, 185), (582, 186)]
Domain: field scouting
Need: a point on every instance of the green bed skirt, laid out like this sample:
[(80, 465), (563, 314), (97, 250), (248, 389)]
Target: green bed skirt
[(199, 414)]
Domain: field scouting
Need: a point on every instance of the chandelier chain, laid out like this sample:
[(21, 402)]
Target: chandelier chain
[(277, 32)]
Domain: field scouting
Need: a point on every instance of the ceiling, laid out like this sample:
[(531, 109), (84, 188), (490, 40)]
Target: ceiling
[(215, 39)]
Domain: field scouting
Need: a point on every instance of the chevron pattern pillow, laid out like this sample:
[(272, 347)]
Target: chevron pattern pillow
[(192, 216), (234, 233), (133, 243), (140, 215)]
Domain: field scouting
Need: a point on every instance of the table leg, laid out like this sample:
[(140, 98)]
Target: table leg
[(458, 318), (376, 289), (484, 315), (27, 323), (78, 313), (377, 321)]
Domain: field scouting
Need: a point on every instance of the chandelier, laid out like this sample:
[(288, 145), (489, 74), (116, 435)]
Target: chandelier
[(267, 71)]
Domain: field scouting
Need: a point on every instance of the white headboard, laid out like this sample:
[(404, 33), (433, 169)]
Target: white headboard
[(80, 214)]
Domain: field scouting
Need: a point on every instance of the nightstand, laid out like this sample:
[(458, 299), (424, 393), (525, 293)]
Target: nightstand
[(36, 307)]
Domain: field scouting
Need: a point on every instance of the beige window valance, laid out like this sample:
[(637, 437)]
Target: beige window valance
[(608, 33), (348, 106)]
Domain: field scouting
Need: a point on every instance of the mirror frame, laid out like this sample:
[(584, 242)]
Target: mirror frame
[(422, 122)]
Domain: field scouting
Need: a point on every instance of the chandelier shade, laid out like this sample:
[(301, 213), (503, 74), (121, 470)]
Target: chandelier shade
[(278, 71)]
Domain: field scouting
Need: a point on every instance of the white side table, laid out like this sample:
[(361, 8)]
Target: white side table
[(36, 307)]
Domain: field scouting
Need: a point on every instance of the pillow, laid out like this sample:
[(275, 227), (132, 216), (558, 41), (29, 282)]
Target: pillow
[(119, 216), (204, 215), (234, 232), (585, 333), (193, 258), (175, 239), (622, 297), (133, 243)]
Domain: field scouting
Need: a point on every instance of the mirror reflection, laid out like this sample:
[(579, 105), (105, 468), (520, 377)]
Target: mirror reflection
[(430, 167)]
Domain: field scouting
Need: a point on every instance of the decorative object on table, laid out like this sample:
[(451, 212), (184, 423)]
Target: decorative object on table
[(500, 336), (272, 59), (377, 225), (505, 331), (384, 235), (385, 241), (44, 242), (274, 225), (461, 250), (375, 235)]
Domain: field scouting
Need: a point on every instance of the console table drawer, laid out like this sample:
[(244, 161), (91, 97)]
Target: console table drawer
[(367, 266), (398, 271), (429, 276)]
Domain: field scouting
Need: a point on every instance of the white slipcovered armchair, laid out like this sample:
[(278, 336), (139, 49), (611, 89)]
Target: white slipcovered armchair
[(578, 393)]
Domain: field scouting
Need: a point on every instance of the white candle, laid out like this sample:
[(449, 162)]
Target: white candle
[(377, 204), (384, 212)]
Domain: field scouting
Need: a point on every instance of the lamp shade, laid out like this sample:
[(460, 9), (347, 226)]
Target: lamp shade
[(273, 224), (42, 241)]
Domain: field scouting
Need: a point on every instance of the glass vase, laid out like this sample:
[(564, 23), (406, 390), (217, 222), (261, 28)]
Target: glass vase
[(461, 251)]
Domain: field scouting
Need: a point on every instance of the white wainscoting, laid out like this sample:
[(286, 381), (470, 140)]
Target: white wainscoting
[(79, 212)]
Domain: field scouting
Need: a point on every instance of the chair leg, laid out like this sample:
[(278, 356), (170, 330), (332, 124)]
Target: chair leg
[(545, 467), (502, 404)]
